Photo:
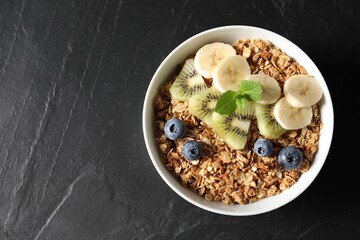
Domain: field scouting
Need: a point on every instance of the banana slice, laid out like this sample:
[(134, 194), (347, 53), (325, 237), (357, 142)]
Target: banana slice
[(209, 55), (291, 118), (302, 91), (271, 88), (229, 72)]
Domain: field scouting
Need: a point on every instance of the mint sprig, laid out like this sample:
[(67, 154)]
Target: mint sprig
[(229, 101)]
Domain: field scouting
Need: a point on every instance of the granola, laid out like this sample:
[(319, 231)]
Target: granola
[(227, 175)]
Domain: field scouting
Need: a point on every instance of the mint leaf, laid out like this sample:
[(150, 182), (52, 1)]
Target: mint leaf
[(241, 101), (226, 104), (229, 101), (250, 90)]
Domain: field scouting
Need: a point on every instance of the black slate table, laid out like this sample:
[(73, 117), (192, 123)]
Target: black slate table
[(73, 76)]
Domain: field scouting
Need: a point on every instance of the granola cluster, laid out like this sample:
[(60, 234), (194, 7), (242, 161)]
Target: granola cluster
[(227, 175)]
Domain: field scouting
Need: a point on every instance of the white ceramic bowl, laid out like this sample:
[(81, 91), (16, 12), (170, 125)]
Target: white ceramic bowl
[(230, 34)]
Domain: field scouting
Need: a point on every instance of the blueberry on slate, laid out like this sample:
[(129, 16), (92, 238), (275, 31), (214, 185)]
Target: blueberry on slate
[(174, 128), (263, 147), (192, 150), (290, 158)]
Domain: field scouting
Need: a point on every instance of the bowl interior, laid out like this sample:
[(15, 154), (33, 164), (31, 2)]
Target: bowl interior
[(230, 34)]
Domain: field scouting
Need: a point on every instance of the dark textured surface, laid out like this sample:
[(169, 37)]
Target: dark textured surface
[(73, 163)]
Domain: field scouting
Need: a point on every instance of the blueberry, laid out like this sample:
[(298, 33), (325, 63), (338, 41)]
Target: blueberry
[(263, 147), (192, 150), (174, 128), (290, 158)]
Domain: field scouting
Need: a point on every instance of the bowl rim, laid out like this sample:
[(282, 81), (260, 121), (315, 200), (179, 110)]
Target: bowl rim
[(277, 201)]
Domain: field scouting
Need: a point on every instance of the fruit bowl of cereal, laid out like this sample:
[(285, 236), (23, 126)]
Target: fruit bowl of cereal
[(234, 120)]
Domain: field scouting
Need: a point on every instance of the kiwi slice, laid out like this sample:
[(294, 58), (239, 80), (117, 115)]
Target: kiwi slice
[(188, 83), (234, 128), (267, 124), (202, 105)]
